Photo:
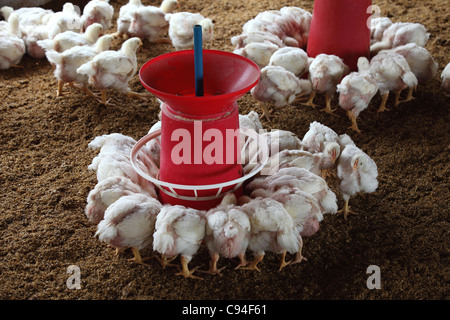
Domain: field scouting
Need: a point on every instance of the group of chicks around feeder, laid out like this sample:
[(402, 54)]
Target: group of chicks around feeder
[(276, 40), (79, 46), (273, 215)]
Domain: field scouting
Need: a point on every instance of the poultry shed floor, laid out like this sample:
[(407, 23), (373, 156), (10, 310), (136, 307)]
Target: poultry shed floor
[(402, 228)]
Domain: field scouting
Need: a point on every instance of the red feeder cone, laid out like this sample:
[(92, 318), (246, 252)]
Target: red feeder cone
[(199, 145), (340, 28)]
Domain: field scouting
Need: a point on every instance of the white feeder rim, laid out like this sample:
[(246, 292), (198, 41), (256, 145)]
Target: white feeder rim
[(144, 140)]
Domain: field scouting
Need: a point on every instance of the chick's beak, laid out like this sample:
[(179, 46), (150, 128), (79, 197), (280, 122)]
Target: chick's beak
[(333, 155), (355, 165)]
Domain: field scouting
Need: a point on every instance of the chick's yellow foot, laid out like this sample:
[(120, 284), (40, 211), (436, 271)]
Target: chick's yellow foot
[(283, 262), (346, 210), (185, 272), (254, 264), (298, 257), (382, 107), (213, 267), (137, 257), (409, 97), (327, 108), (166, 262), (242, 261), (266, 113)]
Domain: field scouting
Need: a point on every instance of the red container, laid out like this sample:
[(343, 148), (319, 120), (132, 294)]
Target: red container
[(197, 142), (340, 28)]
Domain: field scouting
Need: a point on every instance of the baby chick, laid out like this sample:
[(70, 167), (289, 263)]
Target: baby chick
[(125, 15), (322, 139), (356, 90), (97, 11), (258, 52), (325, 72), (357, 173), (240, 41), (129, 223), (179, 231), (66, 20), (66, 63), (148, 22), (181, 29), (227, 232), (401, 33), (68, 39), (292, 59), (421, 63), (12, 47), (108, 191), (113, 69), (272, 229), (278, 86), (391, 71)]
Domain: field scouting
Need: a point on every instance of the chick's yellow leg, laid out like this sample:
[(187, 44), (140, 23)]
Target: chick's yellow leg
[(346, 210), (242, 261), (137, 257), (310, 102), (165, 262), (327, 108), (283, 262), (354, 125), (382, 107), (185, 272), (213, 265), (409, 97), (254, 264), (397, 98), (59, 91), (266, 111)]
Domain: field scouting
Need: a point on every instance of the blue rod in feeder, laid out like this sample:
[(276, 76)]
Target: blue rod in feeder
[(198, 60)]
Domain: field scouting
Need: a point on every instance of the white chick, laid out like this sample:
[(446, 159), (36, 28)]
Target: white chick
[(97, 11), (445, 76), (272, 229), (401, 33), (66, 20), (303, 20), (179, 231), (278, 140), (108, 191), (129, 223), (356, 90), (292, 59), (294, 177), (124, 20), (278, 86), (250, 121), (421, 63), (312, 162), (28, 16), (227, 233), (12, 47), (114, 159), (113, 69), (392, 73), (357, 173), (377, 27), (304, 210), (68, 39), (240, 41), (66, 63), (181, 29), (148, 22), (258, 52), (325, 72), (271, 27), (322, 139), (287, 24), (31, 34)]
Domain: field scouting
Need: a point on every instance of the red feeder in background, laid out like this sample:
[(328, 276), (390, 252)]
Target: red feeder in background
[(198, 122), (339, 27)]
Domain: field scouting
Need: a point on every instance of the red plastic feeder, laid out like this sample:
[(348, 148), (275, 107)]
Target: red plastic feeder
[(340, 28), (199, 134)]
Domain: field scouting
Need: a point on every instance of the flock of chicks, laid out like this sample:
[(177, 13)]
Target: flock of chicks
[(273, 215), (276, 39), (79, 48)]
